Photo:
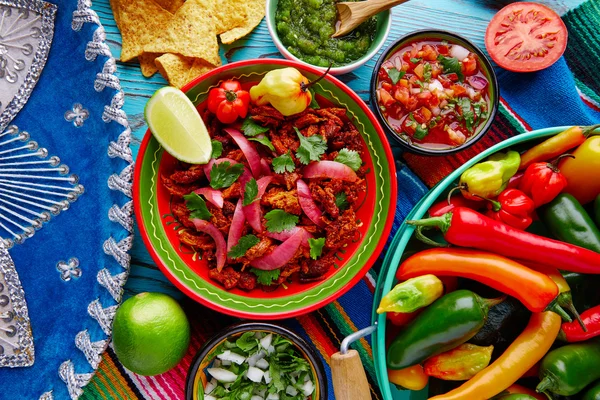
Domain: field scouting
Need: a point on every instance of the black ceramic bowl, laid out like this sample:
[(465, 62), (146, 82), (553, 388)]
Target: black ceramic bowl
[(196, 374), (484, 65)]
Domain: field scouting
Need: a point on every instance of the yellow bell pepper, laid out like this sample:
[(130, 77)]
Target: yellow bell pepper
[(285, 89), (583, 171)]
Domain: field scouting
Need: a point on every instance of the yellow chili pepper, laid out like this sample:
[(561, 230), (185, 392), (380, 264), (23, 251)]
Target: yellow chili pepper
[(411, 378), (459, 364), (556, 145), (285, 89), (412, 294), (489, 178), (527, 349), (583, 171)]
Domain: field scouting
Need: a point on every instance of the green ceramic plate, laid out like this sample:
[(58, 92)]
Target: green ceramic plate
[(376, 211), (387, 277)]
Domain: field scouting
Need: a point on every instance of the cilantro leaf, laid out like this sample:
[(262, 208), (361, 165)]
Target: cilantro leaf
[(341, 201), (276, 376), (279, 220), (313, 102), (250, 192), (427, 72), (311, 148), (350, 158), (217, 149), (451, 65), (224, 174), (283, 163), (264, 141), (265, 277), (316, 247), (242, 246), (197, 206), (415, 60), (247, 342), (395, 75), (251, 128), (421, 131), (467, 113)]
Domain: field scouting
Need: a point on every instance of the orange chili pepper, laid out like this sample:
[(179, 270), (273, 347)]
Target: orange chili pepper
[(527, 349), (411, 378), (556, 145), (522, 389)]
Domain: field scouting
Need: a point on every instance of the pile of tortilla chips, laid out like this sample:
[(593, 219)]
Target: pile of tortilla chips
[(178, 38)]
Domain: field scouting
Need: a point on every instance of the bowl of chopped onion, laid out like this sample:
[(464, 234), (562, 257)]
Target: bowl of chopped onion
[(256, 361)]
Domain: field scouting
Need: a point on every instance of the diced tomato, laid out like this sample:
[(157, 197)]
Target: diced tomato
[(443, 49), (424, 97), (469, 66), (429, 53), (387, 86), (459, 90), (385, 97), (412, 104), (434, 101), (453, 77), (436, 70), (403, 83), (419, 71), (413, 81), (405, 66), (383, 76), (402, 95), (426, 113), (446, 83)]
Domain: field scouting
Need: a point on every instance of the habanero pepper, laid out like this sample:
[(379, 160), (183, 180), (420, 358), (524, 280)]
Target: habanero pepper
[(568, 221), (468, 228), (228, 101), (542, 182), (534, 289), (527, 349), (567, 370), (513, 207), (557, 145), (489, 178), (572, 332), (409, 296), (583, 171), (459, 364)]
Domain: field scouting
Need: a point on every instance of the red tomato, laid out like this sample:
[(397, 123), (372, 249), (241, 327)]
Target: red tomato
[(469, 66), (526, 37)]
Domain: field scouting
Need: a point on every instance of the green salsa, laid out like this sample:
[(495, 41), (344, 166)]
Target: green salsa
[(305, 28)]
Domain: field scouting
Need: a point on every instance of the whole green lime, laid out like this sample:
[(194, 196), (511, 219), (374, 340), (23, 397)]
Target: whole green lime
[(151, 333)]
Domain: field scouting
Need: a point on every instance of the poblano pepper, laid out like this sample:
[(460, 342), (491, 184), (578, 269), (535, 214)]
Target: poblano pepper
[(412, 294), (489, 178)]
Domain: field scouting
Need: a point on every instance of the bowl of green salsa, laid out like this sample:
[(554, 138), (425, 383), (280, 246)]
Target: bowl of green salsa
[(302, 29)]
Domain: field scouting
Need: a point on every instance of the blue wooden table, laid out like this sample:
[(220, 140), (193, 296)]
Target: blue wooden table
[(466, 17)]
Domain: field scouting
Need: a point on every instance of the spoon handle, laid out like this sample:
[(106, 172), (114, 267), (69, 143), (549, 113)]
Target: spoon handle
[(372, 7)]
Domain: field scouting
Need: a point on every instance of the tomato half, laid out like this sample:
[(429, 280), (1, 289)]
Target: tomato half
[(526, 37)]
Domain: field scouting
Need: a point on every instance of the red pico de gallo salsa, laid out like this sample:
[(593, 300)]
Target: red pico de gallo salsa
[(433, 93)]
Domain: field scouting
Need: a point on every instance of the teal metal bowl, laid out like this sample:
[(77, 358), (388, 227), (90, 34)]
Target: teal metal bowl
[(387, 277)]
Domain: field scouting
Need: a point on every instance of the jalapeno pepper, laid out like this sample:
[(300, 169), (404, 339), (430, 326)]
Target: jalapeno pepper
[(448, 322), (557, 145), (411, 295), (592, 393), (569, 222), (515, 396), (534, 289), (597, 211), (468, 228), (410, 378), (459, 364), (522, 354), (569, 369), (584, 289), (513, 207), (542, 182), (583, 171), (518, 389), (488, 178), (572, 332)]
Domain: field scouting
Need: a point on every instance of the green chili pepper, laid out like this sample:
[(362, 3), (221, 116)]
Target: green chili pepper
[(411, 295), (569, 369), (568, 221), (448, 322), (459, 364), (592, 393), (584, 289), (515, 396), (597, 211), (489, 178)]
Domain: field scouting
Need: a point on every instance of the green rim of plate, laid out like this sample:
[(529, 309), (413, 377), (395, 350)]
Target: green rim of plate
[(163, 249), (391, 262)]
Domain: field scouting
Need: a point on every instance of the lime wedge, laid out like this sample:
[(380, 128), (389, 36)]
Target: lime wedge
[(176, 124)]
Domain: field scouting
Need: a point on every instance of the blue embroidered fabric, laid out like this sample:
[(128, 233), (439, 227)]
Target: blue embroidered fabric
[(73, 267)]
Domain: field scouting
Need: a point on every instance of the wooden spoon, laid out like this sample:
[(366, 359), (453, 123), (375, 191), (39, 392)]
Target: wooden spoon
[(352, 14)]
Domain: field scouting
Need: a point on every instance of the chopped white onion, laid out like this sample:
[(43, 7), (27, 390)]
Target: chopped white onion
[(255, 374), (307, 388), (415, 90), (255, 357), (435, 111), (270, 349), (261, 393), (267, 377), (266, 341), (471, 92), (435, 86), (226, 363), (257, 398), (262, 364), (273, 396), (222, 375), (459, 52), (210, 386), (398, 63), (207, 397), (216, 363), (292, 391), (227, 355), (245, 396)]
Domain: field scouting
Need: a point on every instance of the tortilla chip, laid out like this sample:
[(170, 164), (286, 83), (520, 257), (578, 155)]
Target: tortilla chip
[(229, 14), (175, 68), (191, 33), (147, 64), (138, 21), (255, 11), (170, 5), (200, 67)]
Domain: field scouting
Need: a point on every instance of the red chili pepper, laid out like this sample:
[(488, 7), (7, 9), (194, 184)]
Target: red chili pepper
[(572, 331), (543, 181), (228, 101), (515, 181), (467, 228), (513, 208), (442, 207)]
